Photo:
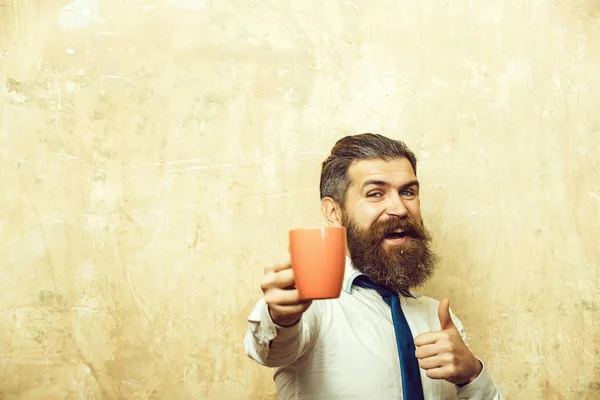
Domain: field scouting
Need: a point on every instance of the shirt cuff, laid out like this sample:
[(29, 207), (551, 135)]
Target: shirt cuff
[(265, 330), (481, 388)]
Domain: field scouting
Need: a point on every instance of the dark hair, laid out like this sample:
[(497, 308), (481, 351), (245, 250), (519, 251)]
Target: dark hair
[(349, 149)]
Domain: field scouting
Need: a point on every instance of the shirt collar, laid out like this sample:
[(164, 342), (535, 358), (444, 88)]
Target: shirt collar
[(350, 274)]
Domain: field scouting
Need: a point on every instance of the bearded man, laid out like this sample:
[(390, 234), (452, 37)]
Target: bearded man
[(379, 340)]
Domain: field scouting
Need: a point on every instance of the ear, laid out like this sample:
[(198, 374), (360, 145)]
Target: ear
[(331, 211)]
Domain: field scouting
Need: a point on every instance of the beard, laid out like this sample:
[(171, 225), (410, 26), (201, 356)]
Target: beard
[(397, 267)]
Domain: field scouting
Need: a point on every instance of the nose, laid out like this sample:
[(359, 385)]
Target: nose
[(396, 207)]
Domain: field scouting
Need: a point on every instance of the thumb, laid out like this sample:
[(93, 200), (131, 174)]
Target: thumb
[(444, 314)]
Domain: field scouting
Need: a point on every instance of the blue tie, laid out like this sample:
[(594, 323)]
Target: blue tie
[(409, 366)]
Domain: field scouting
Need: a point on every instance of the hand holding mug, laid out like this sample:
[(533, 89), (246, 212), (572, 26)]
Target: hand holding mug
[(283, 299)]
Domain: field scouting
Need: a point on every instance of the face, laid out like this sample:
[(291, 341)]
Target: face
[(386, 237)]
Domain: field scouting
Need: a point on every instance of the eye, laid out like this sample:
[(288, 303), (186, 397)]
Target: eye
[(374, 194), (407, 193)]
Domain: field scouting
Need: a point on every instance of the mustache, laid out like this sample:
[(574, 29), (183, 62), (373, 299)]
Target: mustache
[(406, 224)]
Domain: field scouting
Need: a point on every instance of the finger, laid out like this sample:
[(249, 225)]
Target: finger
[(428, 338), (278, 267), (445, 372), (431, 363), (281, 279), (284, 297), (430, 350), (444, 314)]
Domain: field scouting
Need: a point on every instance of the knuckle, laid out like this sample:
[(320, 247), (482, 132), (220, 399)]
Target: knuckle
[(294, 297), (452, 370), (268, 280), (270, 298), (285, 274), (290, 273), (447, 345), (264, 287)]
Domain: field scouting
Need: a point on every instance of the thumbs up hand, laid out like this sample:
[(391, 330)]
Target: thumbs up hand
[(444, 355)]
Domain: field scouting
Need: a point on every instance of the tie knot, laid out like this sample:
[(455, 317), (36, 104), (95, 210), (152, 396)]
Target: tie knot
[(365, 282)]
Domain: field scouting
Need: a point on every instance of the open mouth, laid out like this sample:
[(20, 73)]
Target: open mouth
[(395, 235)]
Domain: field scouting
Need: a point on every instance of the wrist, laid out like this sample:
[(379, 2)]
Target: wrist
[(283, 321), (477, 371), (287, 324)]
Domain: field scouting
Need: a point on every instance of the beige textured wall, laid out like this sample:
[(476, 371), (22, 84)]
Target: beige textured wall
[(153, 155)]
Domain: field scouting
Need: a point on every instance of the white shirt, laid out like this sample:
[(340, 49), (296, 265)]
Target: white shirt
[(345, 348)]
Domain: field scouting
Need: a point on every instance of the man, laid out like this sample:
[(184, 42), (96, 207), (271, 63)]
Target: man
[(369, 343)]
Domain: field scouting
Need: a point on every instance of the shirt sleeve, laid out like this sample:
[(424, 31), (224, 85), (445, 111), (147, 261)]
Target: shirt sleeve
[(482, 388), (272, 345)]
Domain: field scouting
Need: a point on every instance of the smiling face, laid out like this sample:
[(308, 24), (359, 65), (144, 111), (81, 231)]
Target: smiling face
[(381, 191), (381, 212)]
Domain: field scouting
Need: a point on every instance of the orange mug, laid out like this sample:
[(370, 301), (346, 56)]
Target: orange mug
[(318, 261)]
